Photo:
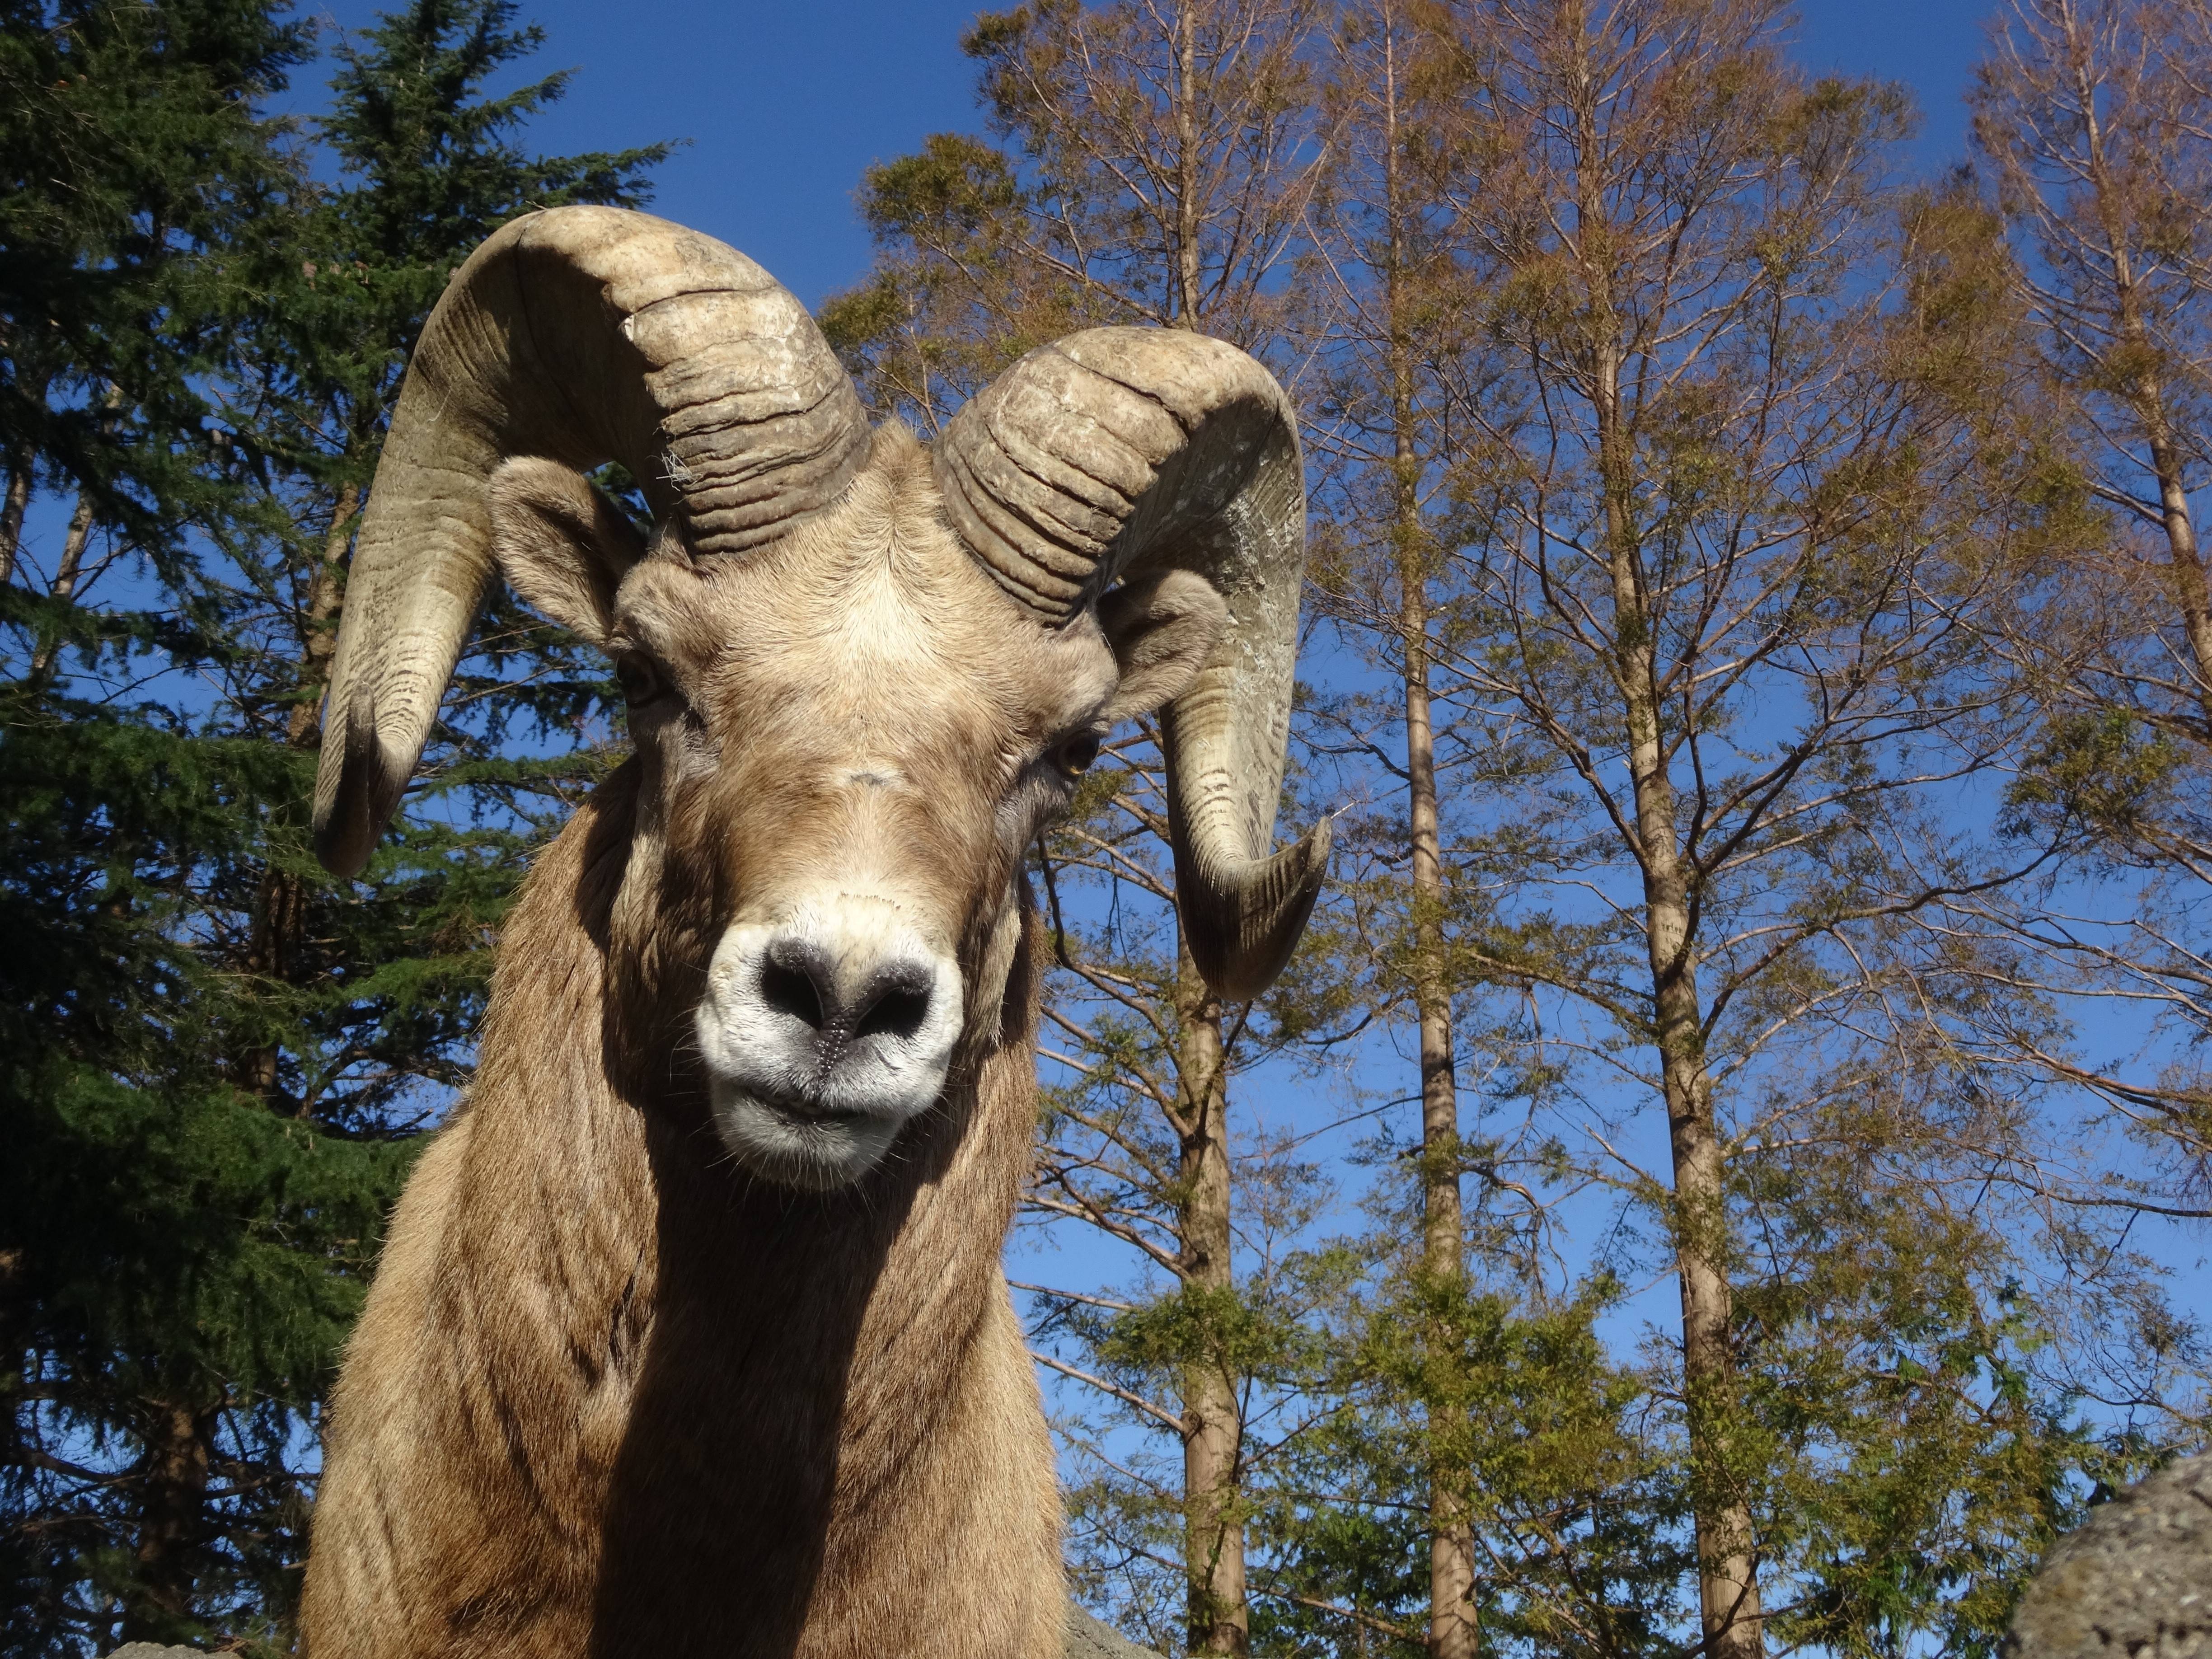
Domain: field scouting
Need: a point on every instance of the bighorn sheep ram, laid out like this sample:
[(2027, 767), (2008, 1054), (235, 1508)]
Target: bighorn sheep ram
[(690, 1336)]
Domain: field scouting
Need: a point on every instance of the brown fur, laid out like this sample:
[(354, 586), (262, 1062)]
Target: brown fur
[(612, 1395)]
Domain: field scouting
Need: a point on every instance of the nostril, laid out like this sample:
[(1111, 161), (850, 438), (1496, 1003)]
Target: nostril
[(792, 991), (898, 1011)]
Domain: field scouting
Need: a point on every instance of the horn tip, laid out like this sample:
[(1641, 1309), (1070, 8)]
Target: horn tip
[(356, 790), (1242, 935)]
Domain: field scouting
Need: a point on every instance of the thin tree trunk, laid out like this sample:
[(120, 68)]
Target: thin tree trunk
[(1453, 1616), (173, 1481), (12, 507), (1214, 1429), (73, 545), (304, 728), (1727, 1582), (65, 578), (1453, 1620), (1217, 1617), (1186, 272), (1727, 1572), (281, 915), (2185, 567), (1728, 1585), (17, 500)]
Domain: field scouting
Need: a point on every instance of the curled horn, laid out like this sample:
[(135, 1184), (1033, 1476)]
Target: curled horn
[(583, 334), (1120, 450)]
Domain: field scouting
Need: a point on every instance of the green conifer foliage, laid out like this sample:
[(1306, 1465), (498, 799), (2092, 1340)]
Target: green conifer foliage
[(213, 1059), (130, 149)]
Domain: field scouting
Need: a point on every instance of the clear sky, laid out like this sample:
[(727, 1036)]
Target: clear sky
[(786, 100)]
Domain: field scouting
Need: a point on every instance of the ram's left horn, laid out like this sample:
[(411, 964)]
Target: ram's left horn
[(1122, 449)]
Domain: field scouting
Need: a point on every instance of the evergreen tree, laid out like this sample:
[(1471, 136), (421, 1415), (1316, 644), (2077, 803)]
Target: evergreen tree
[(131, 150), (212, 1076)]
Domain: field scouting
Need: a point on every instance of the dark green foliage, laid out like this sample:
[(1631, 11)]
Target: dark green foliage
[(170, 1245), (1582, 1524), (130, 150), (213, 1058)]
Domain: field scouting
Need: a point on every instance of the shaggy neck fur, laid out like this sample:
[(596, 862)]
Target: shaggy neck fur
[(611, 1397)]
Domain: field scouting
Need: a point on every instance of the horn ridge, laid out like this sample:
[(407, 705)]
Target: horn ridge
[(1065, 549), (583, 334), (1200, 446)]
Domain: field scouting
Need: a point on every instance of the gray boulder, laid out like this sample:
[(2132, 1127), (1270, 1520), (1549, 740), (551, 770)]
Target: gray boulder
[(153, 1650), (1089, 1638), (2132, 1582)]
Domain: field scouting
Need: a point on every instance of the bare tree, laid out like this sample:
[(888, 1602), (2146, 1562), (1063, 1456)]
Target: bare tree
[(1701, 527), (2097, 117), (1384, 313), (1153, 163), (2095, 120)]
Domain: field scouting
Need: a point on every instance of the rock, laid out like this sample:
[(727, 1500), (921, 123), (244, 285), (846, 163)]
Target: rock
[(153, 1650), (1088, 1638), (2132, 1582)]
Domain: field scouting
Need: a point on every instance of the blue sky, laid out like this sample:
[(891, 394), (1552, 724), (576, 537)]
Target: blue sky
[(787, 103)]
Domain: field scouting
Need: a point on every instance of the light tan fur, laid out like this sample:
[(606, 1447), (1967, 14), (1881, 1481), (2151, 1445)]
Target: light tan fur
[(613, 1396)]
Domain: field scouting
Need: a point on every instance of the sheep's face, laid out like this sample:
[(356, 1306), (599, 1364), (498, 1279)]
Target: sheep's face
[(846, 742)]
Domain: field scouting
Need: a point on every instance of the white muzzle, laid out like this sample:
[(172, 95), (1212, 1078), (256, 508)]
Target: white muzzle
[(825, 1033)]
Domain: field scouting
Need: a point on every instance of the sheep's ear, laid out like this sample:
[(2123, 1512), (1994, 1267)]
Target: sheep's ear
[(562, 545), (1163, 627)]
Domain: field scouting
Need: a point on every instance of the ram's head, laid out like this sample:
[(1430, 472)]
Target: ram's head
[(861, 674)]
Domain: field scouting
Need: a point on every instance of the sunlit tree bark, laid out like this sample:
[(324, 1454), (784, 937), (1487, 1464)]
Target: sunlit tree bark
[(1152, 165), (1673, 513)]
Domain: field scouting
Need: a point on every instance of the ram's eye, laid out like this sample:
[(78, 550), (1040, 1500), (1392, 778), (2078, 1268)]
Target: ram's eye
[(640, 681), (1076, 754)]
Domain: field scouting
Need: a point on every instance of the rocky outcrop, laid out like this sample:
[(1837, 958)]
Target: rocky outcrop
[(2133, 1582)]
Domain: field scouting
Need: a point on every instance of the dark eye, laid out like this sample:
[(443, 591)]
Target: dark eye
[(1076, 754), (639, 681)]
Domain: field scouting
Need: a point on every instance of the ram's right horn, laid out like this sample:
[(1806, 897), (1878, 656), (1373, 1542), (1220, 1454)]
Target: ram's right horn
[(697, 370)]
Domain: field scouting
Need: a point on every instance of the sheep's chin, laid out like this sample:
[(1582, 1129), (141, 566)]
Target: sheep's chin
[(799, 1149)]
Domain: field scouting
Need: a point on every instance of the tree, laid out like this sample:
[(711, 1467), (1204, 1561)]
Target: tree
[(1152, 165), (1388, 410), (1576, 1514), (1389, 312), (135, 152), (130, 147), (1704, 524), (2095, 120), (434, 168), (217, 1080)]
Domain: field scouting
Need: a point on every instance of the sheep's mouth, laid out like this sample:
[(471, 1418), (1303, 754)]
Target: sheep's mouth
[(798, 1107), (798, 1141), (801, 1110)]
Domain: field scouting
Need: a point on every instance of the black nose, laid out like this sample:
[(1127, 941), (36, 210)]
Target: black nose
[(893, 1000), (889, 999), (794, 975)]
